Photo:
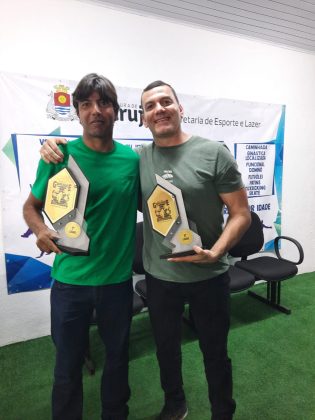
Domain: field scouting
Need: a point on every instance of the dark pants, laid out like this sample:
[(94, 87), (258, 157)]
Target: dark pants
[(71, 311), (209, 302)]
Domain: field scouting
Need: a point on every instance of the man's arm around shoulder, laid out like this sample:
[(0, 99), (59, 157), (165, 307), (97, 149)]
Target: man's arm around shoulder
[(50, 152)]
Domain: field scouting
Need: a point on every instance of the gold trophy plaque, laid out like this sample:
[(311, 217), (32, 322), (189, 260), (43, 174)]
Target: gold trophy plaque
[(65, 206), (168, 218)]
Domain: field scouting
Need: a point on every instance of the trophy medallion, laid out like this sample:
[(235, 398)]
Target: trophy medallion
[(168, 218), (64, 206)]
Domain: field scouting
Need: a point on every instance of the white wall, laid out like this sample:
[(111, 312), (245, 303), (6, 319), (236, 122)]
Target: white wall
[(68, 39)]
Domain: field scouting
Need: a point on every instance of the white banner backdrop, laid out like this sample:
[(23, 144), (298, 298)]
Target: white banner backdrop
[(33, 108)]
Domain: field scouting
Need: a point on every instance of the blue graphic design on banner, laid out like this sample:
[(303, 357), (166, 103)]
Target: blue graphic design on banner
[(25, 274)]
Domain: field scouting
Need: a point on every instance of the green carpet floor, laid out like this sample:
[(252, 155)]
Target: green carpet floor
[(273, 357)]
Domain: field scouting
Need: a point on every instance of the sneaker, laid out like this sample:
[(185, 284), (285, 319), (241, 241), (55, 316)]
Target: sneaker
[(173, 413)]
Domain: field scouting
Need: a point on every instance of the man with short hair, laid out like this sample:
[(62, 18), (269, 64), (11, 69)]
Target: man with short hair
[(102, 280), (208, 177)]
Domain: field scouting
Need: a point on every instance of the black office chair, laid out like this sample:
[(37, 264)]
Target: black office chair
[(137, 265), (250, 243), (141, 285), (246, 272), (273, 270), (240, 279)]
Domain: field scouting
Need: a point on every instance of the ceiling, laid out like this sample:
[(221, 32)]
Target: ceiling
[(289, 23)]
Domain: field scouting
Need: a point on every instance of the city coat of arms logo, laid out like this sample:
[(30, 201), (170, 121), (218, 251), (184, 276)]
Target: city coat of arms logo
[(60, 105)]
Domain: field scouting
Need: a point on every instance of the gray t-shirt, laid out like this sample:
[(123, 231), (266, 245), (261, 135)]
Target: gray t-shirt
[(202, 169)]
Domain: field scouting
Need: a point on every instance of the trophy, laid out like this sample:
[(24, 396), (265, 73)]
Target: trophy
[(168, 218), (64, 206)]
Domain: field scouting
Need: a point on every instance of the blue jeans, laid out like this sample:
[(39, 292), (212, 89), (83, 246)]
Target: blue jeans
[(71, 311), (209, 302)]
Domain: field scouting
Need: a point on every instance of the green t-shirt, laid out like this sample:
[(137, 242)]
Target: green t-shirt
[(110, 214), (202, 169)]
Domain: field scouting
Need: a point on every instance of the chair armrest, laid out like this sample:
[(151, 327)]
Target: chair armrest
[(295, 242)]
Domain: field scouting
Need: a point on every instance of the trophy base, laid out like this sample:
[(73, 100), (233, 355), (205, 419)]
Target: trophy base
[(72, 251), (177, 254)]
